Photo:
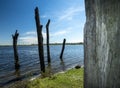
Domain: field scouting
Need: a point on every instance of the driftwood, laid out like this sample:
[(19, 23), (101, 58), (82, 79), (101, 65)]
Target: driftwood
[(63, 47), (40, 40), (48, 48), (15, 37)]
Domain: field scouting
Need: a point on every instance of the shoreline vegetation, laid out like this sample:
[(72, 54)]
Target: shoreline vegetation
[(72, 78), (80, 43)]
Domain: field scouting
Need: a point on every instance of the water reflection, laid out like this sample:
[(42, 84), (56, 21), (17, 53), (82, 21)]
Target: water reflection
[(49, 69), (17, 74), (62, 65)]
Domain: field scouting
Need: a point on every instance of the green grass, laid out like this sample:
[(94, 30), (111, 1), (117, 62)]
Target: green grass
[(70, 79)]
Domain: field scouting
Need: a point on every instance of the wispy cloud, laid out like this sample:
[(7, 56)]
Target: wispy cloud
[(61, 32), (30, 33), (69, 13), (43, 16), (30, 37), (28, 40)]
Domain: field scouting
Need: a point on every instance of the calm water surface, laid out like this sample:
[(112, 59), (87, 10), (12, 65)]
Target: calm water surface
[(29, 61)]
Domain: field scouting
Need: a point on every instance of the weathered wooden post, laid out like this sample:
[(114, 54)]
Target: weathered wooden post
[(102, 44), (48, 48), (15, 37), (63, 47), (40, 40)]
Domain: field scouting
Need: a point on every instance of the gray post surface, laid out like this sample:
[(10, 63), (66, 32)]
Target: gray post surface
[(102, 44)]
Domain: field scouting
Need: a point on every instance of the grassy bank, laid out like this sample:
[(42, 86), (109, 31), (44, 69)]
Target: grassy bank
[(70, 79)]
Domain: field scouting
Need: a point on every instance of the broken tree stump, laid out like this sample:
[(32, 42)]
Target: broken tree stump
[(63, 47), (15, 37), (40, 40), (48, 48)]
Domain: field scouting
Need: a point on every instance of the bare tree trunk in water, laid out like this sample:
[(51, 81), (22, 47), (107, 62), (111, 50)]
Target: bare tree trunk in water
[(40, 40), (15, 37), (63, 47), (48, 48)]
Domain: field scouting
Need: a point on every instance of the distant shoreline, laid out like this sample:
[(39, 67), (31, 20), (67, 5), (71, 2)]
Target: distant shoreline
[(81, 43)]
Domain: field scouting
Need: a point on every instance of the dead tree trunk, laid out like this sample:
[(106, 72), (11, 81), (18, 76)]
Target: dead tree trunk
[(15, 37), (63, 47), (48, 48), (40, 40)]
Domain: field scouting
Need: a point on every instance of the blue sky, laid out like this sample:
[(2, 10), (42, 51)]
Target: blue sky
[(67, 20)]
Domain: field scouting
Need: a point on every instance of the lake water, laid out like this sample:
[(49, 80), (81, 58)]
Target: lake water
[(29, 61)]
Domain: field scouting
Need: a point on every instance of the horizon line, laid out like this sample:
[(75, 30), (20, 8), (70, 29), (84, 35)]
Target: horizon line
[(43, 44)]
